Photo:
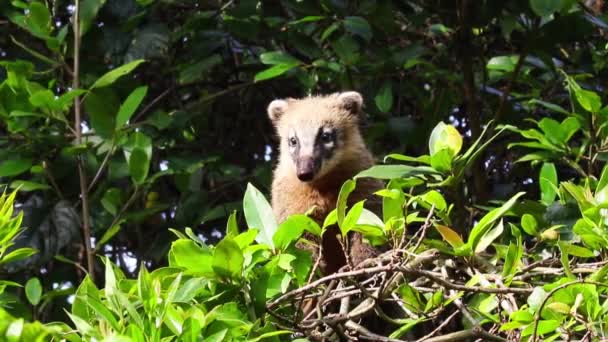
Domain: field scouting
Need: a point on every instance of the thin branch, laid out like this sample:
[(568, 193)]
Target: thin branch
[(152, 104), (430, 255), (465, 288), (51, 178), (475, 332), (441, 326), (514, 75), (105, 161), (86, 228), (122, 211)]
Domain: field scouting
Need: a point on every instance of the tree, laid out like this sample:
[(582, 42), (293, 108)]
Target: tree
[(122, 119)]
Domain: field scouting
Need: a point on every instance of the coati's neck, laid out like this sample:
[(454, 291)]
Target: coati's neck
[(347, 169)]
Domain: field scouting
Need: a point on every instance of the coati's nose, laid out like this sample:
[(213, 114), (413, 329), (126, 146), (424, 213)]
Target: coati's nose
[(306, 169)]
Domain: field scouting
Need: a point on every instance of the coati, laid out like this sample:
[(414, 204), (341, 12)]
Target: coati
[(320, 148)]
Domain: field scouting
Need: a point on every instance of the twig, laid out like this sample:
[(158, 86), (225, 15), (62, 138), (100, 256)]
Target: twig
[(122, 211), (86, 228), (514, 75), (423, 229), (312, 273), (465, 288), (368, 335), (476, 332), (441, 326), (365, 271), (51, 178), (152, 104), (101, 167)]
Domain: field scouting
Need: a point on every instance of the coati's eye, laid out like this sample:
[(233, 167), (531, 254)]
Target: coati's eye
[(293, 141), (327, 137)]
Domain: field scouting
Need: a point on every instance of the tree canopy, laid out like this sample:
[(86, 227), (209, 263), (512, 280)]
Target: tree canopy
[(135, 137)]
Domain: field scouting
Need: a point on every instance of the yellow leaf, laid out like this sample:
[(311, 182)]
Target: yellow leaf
[(450, 235)]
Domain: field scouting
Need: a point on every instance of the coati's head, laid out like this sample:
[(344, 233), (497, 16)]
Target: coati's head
[(317, 133)]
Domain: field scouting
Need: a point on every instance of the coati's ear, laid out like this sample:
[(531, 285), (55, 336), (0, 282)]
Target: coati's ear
[(352, 101), (276, 109)]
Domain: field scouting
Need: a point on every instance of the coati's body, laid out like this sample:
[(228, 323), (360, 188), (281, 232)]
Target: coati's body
[(321, 147)]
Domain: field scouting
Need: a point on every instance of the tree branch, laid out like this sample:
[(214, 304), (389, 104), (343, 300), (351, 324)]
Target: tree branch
[(86, 228)]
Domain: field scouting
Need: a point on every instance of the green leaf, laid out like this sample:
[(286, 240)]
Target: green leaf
[(358, 26), (552, 131), (84, 327), (292, 229), (278, 57), (345, 191), (489, 237), (568, 127), (111, 200), (433, 197), (329, 30), (14, 331), (228, 259), (502, 63), (352, 217), (28, 186), (194, 258), (101, 310), (274, 71), (575, 250), (109, 234), (139, 165), (441, 160), (111, 76), (259, 215), (548, 183), (395, 171), (529, 225), (486, 222), (127, 109), (384, 97), (601, 184), (102, 105), (544, 8), (245, 239), (14, 167), (544, 327), (199, 70), (589, 100), (38, 20), (347, 49), (88, 12), (393, 199), (33, 290), (307, 19), (550, 106), (512, 259), (232, 227), (445, 137)]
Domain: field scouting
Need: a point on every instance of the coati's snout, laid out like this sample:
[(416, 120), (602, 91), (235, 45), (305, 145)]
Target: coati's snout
[(306, 168), (312, 149)]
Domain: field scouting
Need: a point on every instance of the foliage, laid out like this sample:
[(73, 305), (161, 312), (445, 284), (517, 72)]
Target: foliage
[(11, 328), (123, 126)]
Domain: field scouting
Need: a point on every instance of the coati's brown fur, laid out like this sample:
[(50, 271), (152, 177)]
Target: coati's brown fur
[(312, 167)]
